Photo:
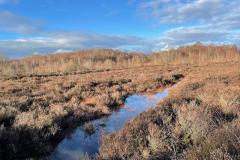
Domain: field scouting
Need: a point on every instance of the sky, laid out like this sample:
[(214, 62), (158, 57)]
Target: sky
[(52, 26)]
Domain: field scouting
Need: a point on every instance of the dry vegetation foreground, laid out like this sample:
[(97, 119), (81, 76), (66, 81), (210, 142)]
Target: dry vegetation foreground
[(37, 112), (42, 99), (198, 121)]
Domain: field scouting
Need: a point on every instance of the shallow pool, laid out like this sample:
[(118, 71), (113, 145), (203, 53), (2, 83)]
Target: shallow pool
[(79, 143)]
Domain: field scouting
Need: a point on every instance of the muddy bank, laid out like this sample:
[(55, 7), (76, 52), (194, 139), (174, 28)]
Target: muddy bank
[(35, 118)]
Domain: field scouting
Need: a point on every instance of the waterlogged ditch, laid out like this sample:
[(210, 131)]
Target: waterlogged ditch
[(80, 143), (34, 119)]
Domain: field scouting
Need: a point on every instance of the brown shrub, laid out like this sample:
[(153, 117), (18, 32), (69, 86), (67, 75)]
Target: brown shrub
[(7, 115), (150, 136), (223, 143), (190, 124), (89, 128)]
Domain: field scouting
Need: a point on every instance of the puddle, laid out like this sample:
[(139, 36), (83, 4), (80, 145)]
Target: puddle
[(79, 143)]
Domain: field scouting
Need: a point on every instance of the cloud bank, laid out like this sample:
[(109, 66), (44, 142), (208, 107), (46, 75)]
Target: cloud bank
[(208, 21), (54, 42)]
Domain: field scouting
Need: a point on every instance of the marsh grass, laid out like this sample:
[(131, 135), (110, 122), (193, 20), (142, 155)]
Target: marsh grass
[(43, 98), (37, 112), (102, 59), (199, 120)]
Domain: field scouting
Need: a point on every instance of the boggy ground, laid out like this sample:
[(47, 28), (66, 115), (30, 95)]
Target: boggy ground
[(36, 111), (198, 121)]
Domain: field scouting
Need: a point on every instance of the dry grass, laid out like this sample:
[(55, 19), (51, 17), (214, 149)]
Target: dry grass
[(199, 120), (102, 59), (40, 111), (44, 98), (222, 143)]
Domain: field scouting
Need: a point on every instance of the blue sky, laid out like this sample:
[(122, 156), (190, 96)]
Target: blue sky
[(50, 26)]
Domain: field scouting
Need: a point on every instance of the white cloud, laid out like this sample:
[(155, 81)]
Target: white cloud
[(14, 23), (71, 41), (183, 35), (202, 11), (209, 21), (66, 41), (62, 51)]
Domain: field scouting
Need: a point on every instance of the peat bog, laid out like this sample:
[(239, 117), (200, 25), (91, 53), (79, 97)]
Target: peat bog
[(47, 101)]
